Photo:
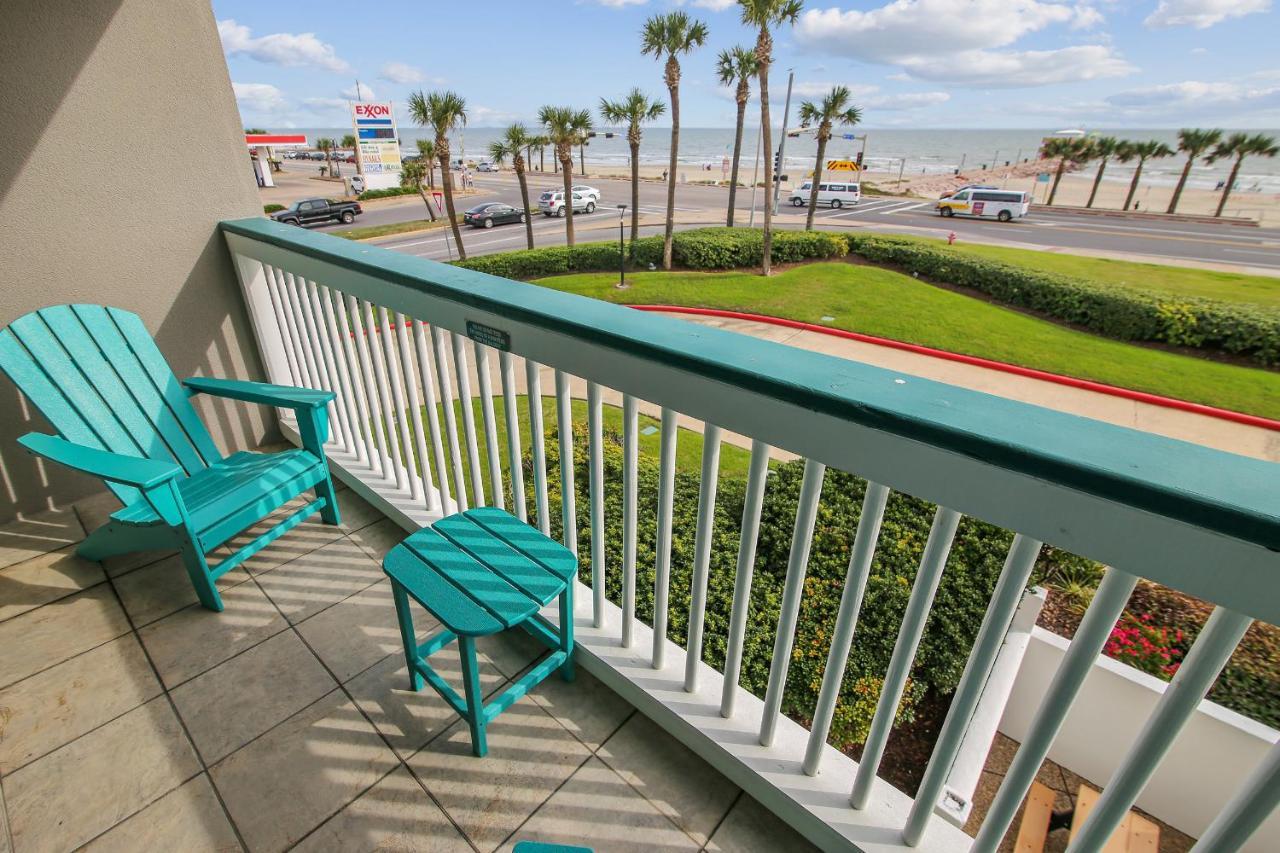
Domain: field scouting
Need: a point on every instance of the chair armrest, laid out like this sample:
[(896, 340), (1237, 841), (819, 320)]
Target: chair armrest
[(282, 396), (115, 467)]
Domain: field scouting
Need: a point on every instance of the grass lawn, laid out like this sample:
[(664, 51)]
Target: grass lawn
[(1263, 291), (367, 231), (885, 303), (734, 460)]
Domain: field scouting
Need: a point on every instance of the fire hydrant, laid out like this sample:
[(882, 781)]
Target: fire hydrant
[(951, 238)]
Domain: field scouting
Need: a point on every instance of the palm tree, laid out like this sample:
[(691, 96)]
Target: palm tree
[(1193, 142), (833, 109), (427, 152), (444, 112), (632, 110), (351, 142), (1142, 152), (764, 14), (541, 142), (412, 174), (1066, 150), (671, 35), (326, 145), (1102, 148), (582, 155), (565, 126), (514, 143), (736, 64), (1239, 146)]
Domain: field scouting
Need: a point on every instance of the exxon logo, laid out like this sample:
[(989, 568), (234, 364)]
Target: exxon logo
[(373, 110)]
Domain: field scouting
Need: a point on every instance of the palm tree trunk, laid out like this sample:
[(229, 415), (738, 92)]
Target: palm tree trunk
[(582, 159), (542, 158), (1231, 182), (1097, 181), (1133, 185), (1057, 177), (427, 202), (566, 171), (817, 176), (766, 256), (670, 226), (1182, 182), (737, 153), (447, 182), (524, 200), (635, 191)]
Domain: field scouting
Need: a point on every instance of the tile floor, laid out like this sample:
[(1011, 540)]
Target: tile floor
[(130, 718)]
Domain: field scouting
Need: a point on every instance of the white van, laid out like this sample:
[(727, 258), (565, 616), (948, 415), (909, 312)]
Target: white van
[(833, 193), (1004, 205)]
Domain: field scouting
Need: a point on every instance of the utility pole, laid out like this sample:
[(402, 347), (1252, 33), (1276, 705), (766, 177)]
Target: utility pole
[(782, 144), (755, 178)]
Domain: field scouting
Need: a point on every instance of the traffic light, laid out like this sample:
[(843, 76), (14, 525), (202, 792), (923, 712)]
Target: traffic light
[(777, 165), (859, 161)]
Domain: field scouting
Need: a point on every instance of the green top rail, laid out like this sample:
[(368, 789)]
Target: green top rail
[(1236, 496)]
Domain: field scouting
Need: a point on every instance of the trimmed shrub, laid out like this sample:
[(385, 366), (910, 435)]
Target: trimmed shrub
[(389, 192), (269, 209), (1123, 313)]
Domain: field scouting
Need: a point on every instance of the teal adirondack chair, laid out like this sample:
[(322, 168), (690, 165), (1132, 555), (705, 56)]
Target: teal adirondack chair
[(98, 377)]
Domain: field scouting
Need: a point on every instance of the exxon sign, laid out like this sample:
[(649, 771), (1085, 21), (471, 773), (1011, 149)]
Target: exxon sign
[(374, 115)]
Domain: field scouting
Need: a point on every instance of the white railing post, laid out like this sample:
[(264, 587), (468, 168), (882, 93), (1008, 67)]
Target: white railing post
[(538, 443), (515, 455), (702, 552), (934, 560), (595, 427), (450, 421), (630, 499), (422, 351), (467, 404), (1257, 798), (662, 559), (742, 578), (855, 584), (797, 564), (564, 430), (492, 454)]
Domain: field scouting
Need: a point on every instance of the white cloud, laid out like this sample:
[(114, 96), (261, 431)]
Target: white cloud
[(955, 41), (1239, 103), (870, 97), (323, 105), (259, 97), (1202, 13), (618, 4), (402, 73), (1199, 51), (715, 5), (291, 49)]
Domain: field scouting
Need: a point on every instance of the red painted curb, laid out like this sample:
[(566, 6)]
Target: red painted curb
[(1003, 367)]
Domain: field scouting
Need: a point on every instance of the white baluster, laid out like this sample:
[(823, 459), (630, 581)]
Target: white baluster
[(382, 459), (742, 578), (433, 421), (630, 500), (702, 552), (595, 426), (662, 560), (468, 418), (450, 422), (415, 414), (515, 456), (324, 343), (405, 457), (538, 440), (490, 425), (376, 353), (347, 394), (568, 496)]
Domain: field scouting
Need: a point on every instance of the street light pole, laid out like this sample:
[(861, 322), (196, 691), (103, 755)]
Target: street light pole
[(622, 258), (782, 144)]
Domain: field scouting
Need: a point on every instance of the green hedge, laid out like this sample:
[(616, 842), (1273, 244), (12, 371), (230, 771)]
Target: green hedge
[(269, 209), (387, 193), (1123, 313), (700, 249)]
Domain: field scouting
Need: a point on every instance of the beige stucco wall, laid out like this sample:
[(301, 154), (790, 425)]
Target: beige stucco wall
[(120, 150)]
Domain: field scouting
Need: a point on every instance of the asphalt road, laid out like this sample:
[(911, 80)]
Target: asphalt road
[(1175, 241)]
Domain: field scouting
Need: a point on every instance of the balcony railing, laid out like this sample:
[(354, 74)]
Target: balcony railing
[(399, 336)]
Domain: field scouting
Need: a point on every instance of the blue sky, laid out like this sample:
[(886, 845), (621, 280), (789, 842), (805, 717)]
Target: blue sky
[(910, 63)]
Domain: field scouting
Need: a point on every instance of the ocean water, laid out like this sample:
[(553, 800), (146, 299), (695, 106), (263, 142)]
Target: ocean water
[(915, 152)]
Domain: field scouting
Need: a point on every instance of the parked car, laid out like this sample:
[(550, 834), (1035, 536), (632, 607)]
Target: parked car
[(312, 210), (834, 193), (486, 166), (491, 214), (551, 203), (583, 189)]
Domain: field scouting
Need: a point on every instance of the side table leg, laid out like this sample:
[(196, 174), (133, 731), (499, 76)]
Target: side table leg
[(475, 696), (405, 618), (566, 631)]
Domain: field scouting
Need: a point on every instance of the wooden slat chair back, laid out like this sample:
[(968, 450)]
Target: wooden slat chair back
[(120, 413)]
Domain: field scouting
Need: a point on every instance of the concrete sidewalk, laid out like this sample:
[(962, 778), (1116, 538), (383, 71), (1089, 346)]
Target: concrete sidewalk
[(1187, 426)]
